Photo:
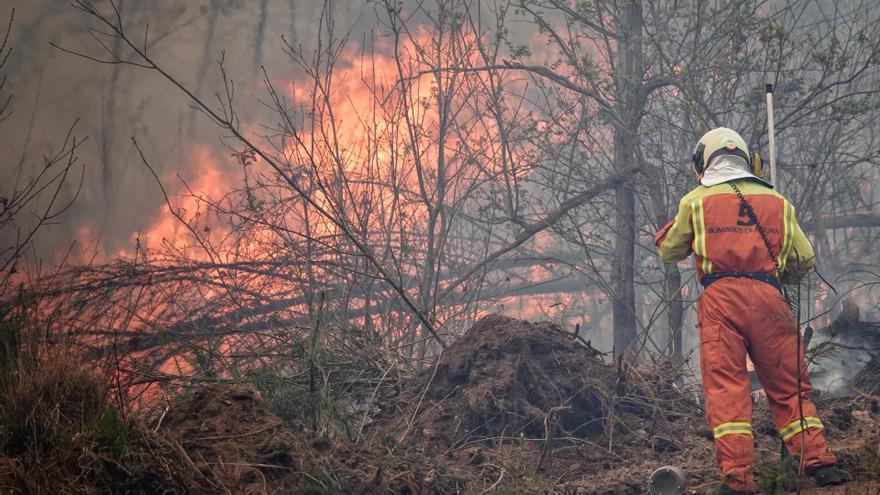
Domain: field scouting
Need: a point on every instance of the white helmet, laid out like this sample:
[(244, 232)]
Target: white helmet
[(722, 155)]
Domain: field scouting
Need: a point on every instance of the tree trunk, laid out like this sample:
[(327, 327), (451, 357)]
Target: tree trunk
[(293, 40), (108, 126), (623, 306), (671, 274), (260, 34), (205, 64), (672, 293), (628, 78)]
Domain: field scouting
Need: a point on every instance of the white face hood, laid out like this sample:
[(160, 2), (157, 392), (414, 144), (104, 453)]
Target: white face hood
[(726, 168)]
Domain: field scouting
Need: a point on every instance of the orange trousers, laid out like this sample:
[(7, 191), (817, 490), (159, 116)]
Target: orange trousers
[(739, 316)]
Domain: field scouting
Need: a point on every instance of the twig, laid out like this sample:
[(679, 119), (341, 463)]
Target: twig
[(497, 482), (246, 434), (161, 418), (370, 401), (421, 398), (547, 451)]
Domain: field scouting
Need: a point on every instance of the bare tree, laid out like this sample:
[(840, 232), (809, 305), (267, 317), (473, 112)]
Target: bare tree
[(440, 172), (28, 206), (5, 51), (626, 61)]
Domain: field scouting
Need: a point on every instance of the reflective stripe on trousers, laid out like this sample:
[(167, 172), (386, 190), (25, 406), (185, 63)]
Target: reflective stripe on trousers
[(725, 429), (798, 426)]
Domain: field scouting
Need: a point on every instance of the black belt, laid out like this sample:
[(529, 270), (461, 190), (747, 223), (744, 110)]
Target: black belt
[(763, 277)]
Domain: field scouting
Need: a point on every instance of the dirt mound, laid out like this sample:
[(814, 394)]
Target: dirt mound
[(510, 407), (234, 445), (60, 433), (228, 436), (506, 378)]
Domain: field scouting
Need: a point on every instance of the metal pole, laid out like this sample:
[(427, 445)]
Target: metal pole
[(772, 133)]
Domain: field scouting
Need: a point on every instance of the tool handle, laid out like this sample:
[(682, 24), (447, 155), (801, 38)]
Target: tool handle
[(771, 142)]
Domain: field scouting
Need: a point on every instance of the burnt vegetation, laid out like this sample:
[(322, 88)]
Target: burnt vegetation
[(511, 405), (327, 316)]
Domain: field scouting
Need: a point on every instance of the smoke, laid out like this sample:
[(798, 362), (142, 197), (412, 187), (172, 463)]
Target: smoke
[(121, 204), (834, 375), (843, 350), (114, 103)]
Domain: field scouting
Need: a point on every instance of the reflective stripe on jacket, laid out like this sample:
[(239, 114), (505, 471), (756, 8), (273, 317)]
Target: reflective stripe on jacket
[(713, 223)]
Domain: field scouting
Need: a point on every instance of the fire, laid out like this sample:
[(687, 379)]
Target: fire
[(190, 217), (370, 137), (391, 156)]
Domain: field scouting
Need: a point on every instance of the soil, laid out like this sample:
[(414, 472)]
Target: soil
[(510, 407), (503, 379), (528, 406), (227, 434), (244, 449)]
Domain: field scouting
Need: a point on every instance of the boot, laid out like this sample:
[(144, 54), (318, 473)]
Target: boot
[(724, 489), (830, 475)]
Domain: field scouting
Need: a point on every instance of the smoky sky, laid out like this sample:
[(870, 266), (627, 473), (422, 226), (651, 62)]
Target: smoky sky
[(112, 103)]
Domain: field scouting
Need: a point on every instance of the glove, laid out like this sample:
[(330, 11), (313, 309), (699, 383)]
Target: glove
[(659, 236)]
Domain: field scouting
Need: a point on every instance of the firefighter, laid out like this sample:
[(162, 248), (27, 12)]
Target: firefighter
[(745, 239)]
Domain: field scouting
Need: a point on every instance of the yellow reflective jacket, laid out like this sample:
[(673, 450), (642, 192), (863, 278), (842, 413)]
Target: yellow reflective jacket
[(713, 223)]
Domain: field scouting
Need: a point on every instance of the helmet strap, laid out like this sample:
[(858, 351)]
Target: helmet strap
[(697, 159)]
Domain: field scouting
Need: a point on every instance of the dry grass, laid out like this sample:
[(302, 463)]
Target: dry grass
[(60, 432), (57, 428), (296, 429)]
